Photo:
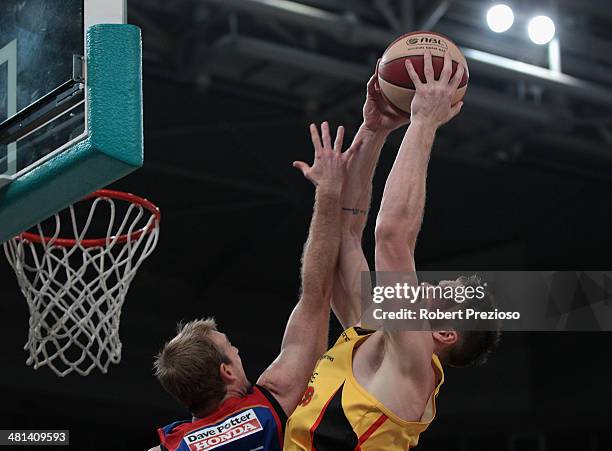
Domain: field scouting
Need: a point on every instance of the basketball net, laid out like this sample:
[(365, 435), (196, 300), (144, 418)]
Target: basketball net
[(75, 287)]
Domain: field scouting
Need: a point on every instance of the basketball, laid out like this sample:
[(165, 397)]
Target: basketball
[(393, 78)]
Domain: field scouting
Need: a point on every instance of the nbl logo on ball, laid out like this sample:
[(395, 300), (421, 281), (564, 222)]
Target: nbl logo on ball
[(427, 40), (393, 77)]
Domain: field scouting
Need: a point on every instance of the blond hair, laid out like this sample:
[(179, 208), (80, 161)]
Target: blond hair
[(188, 366)]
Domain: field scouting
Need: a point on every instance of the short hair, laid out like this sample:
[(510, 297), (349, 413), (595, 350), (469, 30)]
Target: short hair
[(188, 366), (474, 347)]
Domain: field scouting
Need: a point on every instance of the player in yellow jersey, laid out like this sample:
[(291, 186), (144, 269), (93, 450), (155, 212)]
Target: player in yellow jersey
[(203, 370), (376, 390)]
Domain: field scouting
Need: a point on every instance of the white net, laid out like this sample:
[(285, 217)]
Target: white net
[(75, 289)]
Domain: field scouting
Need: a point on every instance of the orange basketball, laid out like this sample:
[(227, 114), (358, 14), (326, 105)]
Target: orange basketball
[(393, 78)]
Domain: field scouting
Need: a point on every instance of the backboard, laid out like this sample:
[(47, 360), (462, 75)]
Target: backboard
[(70, 104)]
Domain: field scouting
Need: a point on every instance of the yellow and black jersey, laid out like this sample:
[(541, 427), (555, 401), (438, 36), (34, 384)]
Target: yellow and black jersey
[(337, 413)]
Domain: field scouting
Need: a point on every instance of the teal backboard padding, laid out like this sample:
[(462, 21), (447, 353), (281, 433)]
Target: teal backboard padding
[(114, 144)]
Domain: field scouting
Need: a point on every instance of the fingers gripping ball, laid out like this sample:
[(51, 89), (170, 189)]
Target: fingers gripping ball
[(393, 78)]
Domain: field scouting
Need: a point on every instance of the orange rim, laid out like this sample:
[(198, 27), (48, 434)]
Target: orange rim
[(99, 242)]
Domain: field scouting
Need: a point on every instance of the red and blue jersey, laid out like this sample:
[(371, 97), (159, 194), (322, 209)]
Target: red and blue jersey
[(253, 422)]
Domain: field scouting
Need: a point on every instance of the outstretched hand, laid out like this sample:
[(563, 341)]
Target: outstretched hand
[(432, 101), (330, 164), (378, 114)]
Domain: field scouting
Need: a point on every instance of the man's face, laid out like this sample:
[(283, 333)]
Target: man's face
[(443, 336), (232, 353)]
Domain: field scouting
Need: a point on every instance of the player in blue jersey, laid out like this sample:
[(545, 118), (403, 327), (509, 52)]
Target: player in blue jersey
[(202, 369)]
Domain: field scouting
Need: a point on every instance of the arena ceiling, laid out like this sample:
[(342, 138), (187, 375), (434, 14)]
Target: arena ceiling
[(313, 57)]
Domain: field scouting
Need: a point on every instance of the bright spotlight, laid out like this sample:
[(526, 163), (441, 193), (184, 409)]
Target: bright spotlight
[(500, 18), (541, 30)]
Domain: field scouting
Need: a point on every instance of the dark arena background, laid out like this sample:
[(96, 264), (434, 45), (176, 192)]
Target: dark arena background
[(522, 179)]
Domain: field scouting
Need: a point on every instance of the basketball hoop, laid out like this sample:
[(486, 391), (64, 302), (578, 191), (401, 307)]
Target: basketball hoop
[(75, 286)]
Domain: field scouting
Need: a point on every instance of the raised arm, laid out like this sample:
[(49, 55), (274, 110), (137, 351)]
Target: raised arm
[(401, 212), (306, 334), (379, 120)]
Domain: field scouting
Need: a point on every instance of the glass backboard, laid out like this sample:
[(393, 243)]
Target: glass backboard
[(42, 80), (70, 104)]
